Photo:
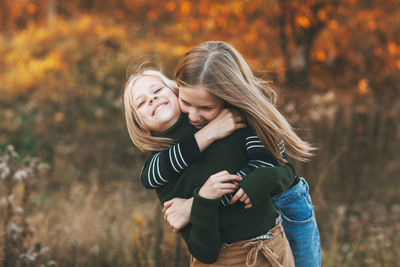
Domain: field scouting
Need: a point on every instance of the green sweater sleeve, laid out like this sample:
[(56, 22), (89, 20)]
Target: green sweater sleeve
[(202, 236), (265, 182)]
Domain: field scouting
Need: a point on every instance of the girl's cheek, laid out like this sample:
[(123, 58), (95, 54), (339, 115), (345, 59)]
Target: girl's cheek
[(184, 109)]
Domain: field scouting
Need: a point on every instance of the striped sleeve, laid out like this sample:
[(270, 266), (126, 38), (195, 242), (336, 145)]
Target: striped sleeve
[(258, 157), (165, 166), (282, 149)]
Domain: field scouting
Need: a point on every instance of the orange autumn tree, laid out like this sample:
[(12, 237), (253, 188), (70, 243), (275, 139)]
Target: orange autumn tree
[(296, 40)]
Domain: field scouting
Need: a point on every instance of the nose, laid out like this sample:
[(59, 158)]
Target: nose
[(153, 99), (194, 114)]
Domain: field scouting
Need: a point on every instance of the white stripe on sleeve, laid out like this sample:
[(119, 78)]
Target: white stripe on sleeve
[(255, 166), (148, 173), (263, 162), (255, 146), (154, 174), (170, 159), (180, 154), (256, 142), (158, 169), (176, 159)]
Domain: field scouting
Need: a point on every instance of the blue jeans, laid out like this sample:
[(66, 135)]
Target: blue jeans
[(299, 223)]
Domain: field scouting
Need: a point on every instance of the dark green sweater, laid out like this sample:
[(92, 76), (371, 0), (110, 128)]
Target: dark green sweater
[(210, 224)]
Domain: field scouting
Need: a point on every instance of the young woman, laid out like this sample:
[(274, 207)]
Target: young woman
[(216, 67), (151, 118)]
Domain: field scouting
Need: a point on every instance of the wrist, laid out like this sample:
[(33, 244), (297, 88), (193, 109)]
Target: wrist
[(189, 203), (203, 138), (203, 194)]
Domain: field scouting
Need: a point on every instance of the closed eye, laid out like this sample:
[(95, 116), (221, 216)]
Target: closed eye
[(184, 102), (140, 104), (158, 90)]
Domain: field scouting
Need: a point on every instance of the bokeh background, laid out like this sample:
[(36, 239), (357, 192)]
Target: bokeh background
[(71, 196)]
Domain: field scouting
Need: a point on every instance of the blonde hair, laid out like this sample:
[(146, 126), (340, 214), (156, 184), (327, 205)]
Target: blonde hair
[(138, 133), (224, 72)]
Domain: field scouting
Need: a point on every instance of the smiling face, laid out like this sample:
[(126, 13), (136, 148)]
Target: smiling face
[(200, 105), (156, 105)]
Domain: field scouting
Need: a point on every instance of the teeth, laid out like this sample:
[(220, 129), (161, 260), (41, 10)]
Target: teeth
[(159, 107)]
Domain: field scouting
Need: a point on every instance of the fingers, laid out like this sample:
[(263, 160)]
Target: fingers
[(237, 196), (221, 173), (167, 204), (224, 176), (226, 186), (248, 206), (237, 115), (241, 125), (233, 114), (219, 184), (238, 118), (229, 178), (246, 200), (244, 197)]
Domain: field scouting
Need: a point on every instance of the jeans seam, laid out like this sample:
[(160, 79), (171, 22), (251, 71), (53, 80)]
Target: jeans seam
[(303, 222), (291, 199)]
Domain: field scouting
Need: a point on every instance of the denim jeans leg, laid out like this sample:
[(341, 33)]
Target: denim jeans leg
[(300, 224)]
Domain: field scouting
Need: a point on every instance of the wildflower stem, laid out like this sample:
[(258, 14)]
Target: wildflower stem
[(9, 213)]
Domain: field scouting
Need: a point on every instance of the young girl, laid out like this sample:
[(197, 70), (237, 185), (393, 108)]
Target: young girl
[(152, 113)]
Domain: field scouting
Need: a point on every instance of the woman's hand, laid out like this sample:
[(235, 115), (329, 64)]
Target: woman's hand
[(177, 212), (227, 121), (242, 196), (219, 184)]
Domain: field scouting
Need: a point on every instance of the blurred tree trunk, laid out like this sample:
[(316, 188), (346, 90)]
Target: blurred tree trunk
[(4, 14), (296, 41), (87, 5), (51, 12)]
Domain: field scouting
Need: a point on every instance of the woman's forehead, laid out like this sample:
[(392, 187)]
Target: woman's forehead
[(198, 96)]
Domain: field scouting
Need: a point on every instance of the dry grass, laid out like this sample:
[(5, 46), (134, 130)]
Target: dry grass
[(116, 226)]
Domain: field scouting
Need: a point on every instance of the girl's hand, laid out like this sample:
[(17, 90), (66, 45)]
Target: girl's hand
[(242, 196), (177, 212), (219, 184), (227, 121)]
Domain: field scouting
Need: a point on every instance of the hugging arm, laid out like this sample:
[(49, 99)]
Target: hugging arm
[(162, 167), (258, 157), (165, 166), (177, 210), (202, 235)]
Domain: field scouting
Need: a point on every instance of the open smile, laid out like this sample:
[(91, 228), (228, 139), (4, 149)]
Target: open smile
[(198, 124), (158, 107)]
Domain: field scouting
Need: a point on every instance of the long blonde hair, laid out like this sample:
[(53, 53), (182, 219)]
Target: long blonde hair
[(139, 135), (224, 72)]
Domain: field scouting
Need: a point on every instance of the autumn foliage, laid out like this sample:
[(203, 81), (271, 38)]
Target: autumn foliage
[(336, 65)]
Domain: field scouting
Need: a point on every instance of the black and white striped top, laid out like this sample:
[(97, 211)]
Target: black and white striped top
[(165, 166)]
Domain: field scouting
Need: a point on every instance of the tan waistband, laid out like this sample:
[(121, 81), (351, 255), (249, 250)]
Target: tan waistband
[(276, 231)]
